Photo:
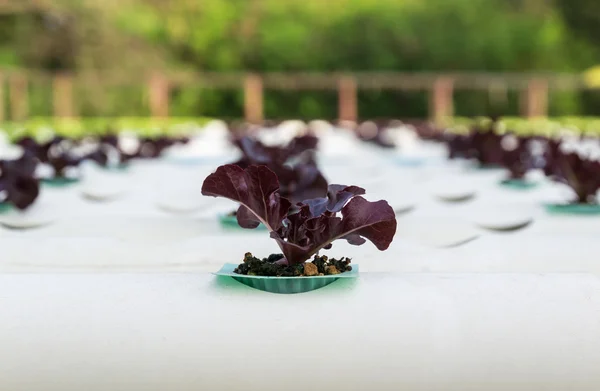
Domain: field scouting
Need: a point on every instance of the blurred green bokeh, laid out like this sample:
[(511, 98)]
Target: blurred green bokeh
[(41, 128), (308, 35)]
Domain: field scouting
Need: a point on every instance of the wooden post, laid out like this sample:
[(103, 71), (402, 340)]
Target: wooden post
[(441, 100), (159, 89), (534, 100), (253, 99), (62, 95), (19, 97), (2, 105), (347, 99)]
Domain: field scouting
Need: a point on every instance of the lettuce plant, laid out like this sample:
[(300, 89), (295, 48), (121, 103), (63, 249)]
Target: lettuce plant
[(56, 152), (151, 148), (481, 143), (303, 229), (516, 155), (39, 150), (61, 157), (18, 182), (487, 148), (294, 165), (60, 153), (459, 146), (579, 173)]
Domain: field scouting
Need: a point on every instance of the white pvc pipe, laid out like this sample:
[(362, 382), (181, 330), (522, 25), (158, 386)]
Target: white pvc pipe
[(130, 332)]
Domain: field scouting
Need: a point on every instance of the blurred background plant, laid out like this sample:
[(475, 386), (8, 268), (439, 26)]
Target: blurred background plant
[(297, 35)]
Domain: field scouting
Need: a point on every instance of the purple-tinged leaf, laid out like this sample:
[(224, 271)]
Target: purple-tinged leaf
[(487, 147), (99, 156), (459, 146), (255, 188), (23, 191), (298, 175), (361, 219), (18, 181), (61, 162), (301, 144), (516, 155), (580, 174), (246, 219), (337, 196)]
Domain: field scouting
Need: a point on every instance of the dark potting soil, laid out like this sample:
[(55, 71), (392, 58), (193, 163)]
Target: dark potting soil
[(319, 266)]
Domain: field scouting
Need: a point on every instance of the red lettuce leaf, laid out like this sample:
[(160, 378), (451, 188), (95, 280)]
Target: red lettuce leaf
[(255, 188), (254, 152), (100, 156), (39, 150), (26, 165), (580, 174), (302, 238), (337, 196), (516, 155), (459, 146), (61, 162), (481, 143), (487, 147), (18, 181), (23, 191), (294, 164)]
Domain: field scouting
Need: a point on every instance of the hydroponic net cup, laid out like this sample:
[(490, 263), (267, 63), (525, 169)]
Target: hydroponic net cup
[(285, 285)]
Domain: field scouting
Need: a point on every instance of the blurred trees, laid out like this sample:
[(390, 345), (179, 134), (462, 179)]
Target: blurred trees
[(314, 35), (583, 17)]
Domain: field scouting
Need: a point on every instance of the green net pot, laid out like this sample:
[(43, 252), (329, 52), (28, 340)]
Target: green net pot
[(285, 285), (59, 182), (573, 209), (518, 184), (5, 207)]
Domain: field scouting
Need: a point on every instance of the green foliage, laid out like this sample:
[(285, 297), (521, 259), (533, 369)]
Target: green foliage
[(334, 35), (428, 35), (583, 17), (207, 102), (300, 104), (40, 98), (45, 127)]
